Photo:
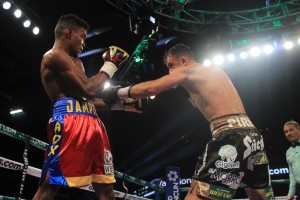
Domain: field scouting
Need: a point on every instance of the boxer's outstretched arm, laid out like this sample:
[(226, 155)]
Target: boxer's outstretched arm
[(150, 88), (129, 105)]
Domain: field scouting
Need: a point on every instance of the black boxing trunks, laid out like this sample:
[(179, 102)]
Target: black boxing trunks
[(234, 154), (79, 151)]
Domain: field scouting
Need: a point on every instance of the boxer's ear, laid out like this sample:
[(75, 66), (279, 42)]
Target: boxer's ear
[(183, 60)]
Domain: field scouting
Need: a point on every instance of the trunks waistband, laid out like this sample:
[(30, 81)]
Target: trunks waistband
[(229, 122), (69, 105)]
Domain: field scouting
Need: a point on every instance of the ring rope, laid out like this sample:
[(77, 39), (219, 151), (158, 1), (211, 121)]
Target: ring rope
[(43, 146), (14, 165), (242, 185), (8, 198)]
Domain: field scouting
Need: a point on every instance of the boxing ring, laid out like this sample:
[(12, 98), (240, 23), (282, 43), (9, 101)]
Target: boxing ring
[(32, 171)]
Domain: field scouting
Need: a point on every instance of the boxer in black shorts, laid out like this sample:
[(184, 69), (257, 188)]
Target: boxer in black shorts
[(234, 154), (236, 150)]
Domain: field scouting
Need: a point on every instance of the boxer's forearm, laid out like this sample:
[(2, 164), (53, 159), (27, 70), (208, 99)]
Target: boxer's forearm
[(149, 88), (140, 90)]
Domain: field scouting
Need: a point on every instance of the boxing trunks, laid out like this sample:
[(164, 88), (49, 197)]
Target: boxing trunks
[(235, 153), (79, 151)]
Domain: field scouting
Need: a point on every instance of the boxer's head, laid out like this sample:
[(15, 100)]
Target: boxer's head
[(178, 55), (71, 31), (69, 21)]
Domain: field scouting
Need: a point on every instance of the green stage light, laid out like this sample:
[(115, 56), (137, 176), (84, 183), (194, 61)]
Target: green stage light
[(277, 23), (137, 59), (181, 1)]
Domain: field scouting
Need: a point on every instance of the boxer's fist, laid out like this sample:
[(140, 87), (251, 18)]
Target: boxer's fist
[(109, 95), (115, 55), (113, 58)]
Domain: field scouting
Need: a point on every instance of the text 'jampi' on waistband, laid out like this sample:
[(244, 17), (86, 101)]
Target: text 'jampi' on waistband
[(228, 122), (72, 106)]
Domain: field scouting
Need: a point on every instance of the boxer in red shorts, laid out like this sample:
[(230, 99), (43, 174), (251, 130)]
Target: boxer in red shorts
[(79, 151)]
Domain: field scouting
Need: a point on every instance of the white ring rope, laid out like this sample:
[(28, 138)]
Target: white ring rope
[(14, 165)]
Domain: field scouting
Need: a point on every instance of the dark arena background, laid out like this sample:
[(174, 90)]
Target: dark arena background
[(255, 42)]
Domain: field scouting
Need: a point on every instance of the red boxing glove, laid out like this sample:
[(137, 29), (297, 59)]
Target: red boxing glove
[(115, 55), (113, 59)]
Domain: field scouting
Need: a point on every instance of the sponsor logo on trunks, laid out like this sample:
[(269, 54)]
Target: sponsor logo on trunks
[(85, 107), (221, 193), (232, 180), (108, 162), (228, 155), (258, 158), (261, 158), (252, 145), (243, 122), (55, 139)]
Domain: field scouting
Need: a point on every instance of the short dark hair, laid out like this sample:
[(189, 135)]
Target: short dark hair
[(69, 21), (294, 123), (178, 50)]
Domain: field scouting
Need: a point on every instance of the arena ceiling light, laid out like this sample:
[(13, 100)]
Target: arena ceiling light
[(231, 57), (20, 15), (218, 59), (268, 49), (16, 111), (36, 30), (26, 23), (6, 5), (288, 45), (254, 51), (243, 55), (207, 62)]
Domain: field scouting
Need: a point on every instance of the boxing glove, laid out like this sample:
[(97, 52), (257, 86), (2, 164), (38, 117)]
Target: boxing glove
[(109, 95), (113, 58)]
